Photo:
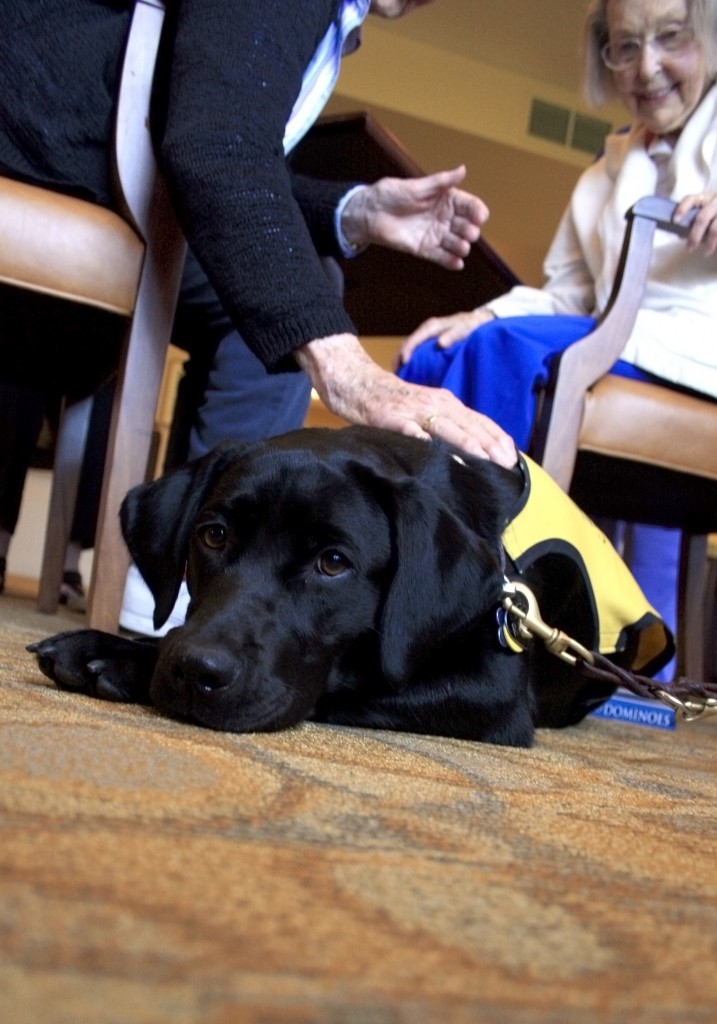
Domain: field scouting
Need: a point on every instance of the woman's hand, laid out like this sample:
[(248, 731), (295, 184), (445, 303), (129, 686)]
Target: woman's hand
[(353, 386), (704, 227), (447, 330), (427, 217)]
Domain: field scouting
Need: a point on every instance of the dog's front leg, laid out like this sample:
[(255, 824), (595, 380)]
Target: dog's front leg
[(99, 664)]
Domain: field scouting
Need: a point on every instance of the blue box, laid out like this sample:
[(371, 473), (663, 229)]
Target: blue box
[(626, 707)]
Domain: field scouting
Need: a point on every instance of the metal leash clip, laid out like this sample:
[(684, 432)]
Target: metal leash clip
[(525, 623), (688, 710), (520, 622)]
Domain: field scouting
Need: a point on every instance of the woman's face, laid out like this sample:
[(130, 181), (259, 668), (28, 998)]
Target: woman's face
[(660, 87)]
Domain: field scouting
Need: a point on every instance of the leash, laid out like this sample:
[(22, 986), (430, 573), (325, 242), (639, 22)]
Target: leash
[(520, 622)]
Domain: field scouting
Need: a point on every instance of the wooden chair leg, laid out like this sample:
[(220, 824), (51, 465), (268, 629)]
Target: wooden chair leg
[(691, 607), (135, 403), (69, 453), (128, 451), (133, 415)]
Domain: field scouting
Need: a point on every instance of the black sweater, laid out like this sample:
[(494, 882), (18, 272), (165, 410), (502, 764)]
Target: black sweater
[(229, 75)]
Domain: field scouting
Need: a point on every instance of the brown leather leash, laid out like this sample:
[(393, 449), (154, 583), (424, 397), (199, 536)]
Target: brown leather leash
[(521, 623)]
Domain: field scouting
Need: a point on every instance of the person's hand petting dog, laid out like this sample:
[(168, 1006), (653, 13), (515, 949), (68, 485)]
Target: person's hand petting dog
[(353, 386), (429, 217), (433, 219)]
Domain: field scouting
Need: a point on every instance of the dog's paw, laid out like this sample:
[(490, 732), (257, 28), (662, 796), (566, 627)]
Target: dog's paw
[(98, 664)]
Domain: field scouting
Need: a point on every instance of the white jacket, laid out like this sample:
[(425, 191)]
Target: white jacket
[(675, 335)]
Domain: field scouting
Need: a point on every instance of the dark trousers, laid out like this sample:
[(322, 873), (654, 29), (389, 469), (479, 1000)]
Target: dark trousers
[(226, 393)]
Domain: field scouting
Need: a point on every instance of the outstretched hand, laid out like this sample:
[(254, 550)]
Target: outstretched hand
[(429, 217)]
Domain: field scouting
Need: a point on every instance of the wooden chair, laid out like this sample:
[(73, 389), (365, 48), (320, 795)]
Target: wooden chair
[(128, 262), (632, 450)]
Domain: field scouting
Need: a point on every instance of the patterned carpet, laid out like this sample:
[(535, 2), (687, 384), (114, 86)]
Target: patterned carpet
[(153, 872)]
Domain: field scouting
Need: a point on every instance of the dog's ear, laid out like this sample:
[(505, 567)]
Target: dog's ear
[(448, 570), (156, 521)]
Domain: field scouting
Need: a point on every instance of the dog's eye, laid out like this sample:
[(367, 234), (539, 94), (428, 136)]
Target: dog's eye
[(213, 536), (332, 563)]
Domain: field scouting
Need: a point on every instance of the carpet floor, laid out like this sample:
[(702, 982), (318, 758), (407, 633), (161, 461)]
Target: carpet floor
[(155, 872)]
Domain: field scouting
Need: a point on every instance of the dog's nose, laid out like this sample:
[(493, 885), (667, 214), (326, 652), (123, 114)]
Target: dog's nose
[(204, 668)]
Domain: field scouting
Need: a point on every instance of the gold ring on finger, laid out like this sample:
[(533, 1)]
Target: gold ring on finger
[(427, 422)]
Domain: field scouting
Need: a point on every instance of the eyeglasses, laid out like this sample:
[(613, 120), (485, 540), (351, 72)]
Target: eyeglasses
[(621, 55)]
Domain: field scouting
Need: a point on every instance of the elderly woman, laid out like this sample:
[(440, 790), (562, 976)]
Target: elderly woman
[(660, 58)]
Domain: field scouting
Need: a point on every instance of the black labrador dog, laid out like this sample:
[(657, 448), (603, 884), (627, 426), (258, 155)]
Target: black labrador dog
[(350, 576)]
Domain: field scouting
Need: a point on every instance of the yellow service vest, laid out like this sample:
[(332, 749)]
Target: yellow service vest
[(548, 525)]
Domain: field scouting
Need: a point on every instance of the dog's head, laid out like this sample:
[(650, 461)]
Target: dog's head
[(315, 561)]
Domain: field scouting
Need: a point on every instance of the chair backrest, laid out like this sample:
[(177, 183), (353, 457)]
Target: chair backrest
[(134, 159)]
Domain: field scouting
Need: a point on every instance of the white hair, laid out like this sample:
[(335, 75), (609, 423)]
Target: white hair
[(598, 80)]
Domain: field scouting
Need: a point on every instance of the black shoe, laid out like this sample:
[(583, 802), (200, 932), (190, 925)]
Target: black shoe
[(3, 568), (72, 593)]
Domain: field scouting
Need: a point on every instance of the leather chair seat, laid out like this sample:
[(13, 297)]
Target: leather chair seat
[(68, 248), (650, 424)]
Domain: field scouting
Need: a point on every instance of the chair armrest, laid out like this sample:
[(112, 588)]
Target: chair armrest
[(586, 361), (593, 356)]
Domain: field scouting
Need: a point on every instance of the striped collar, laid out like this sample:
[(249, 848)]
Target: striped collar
[(323, 70)]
